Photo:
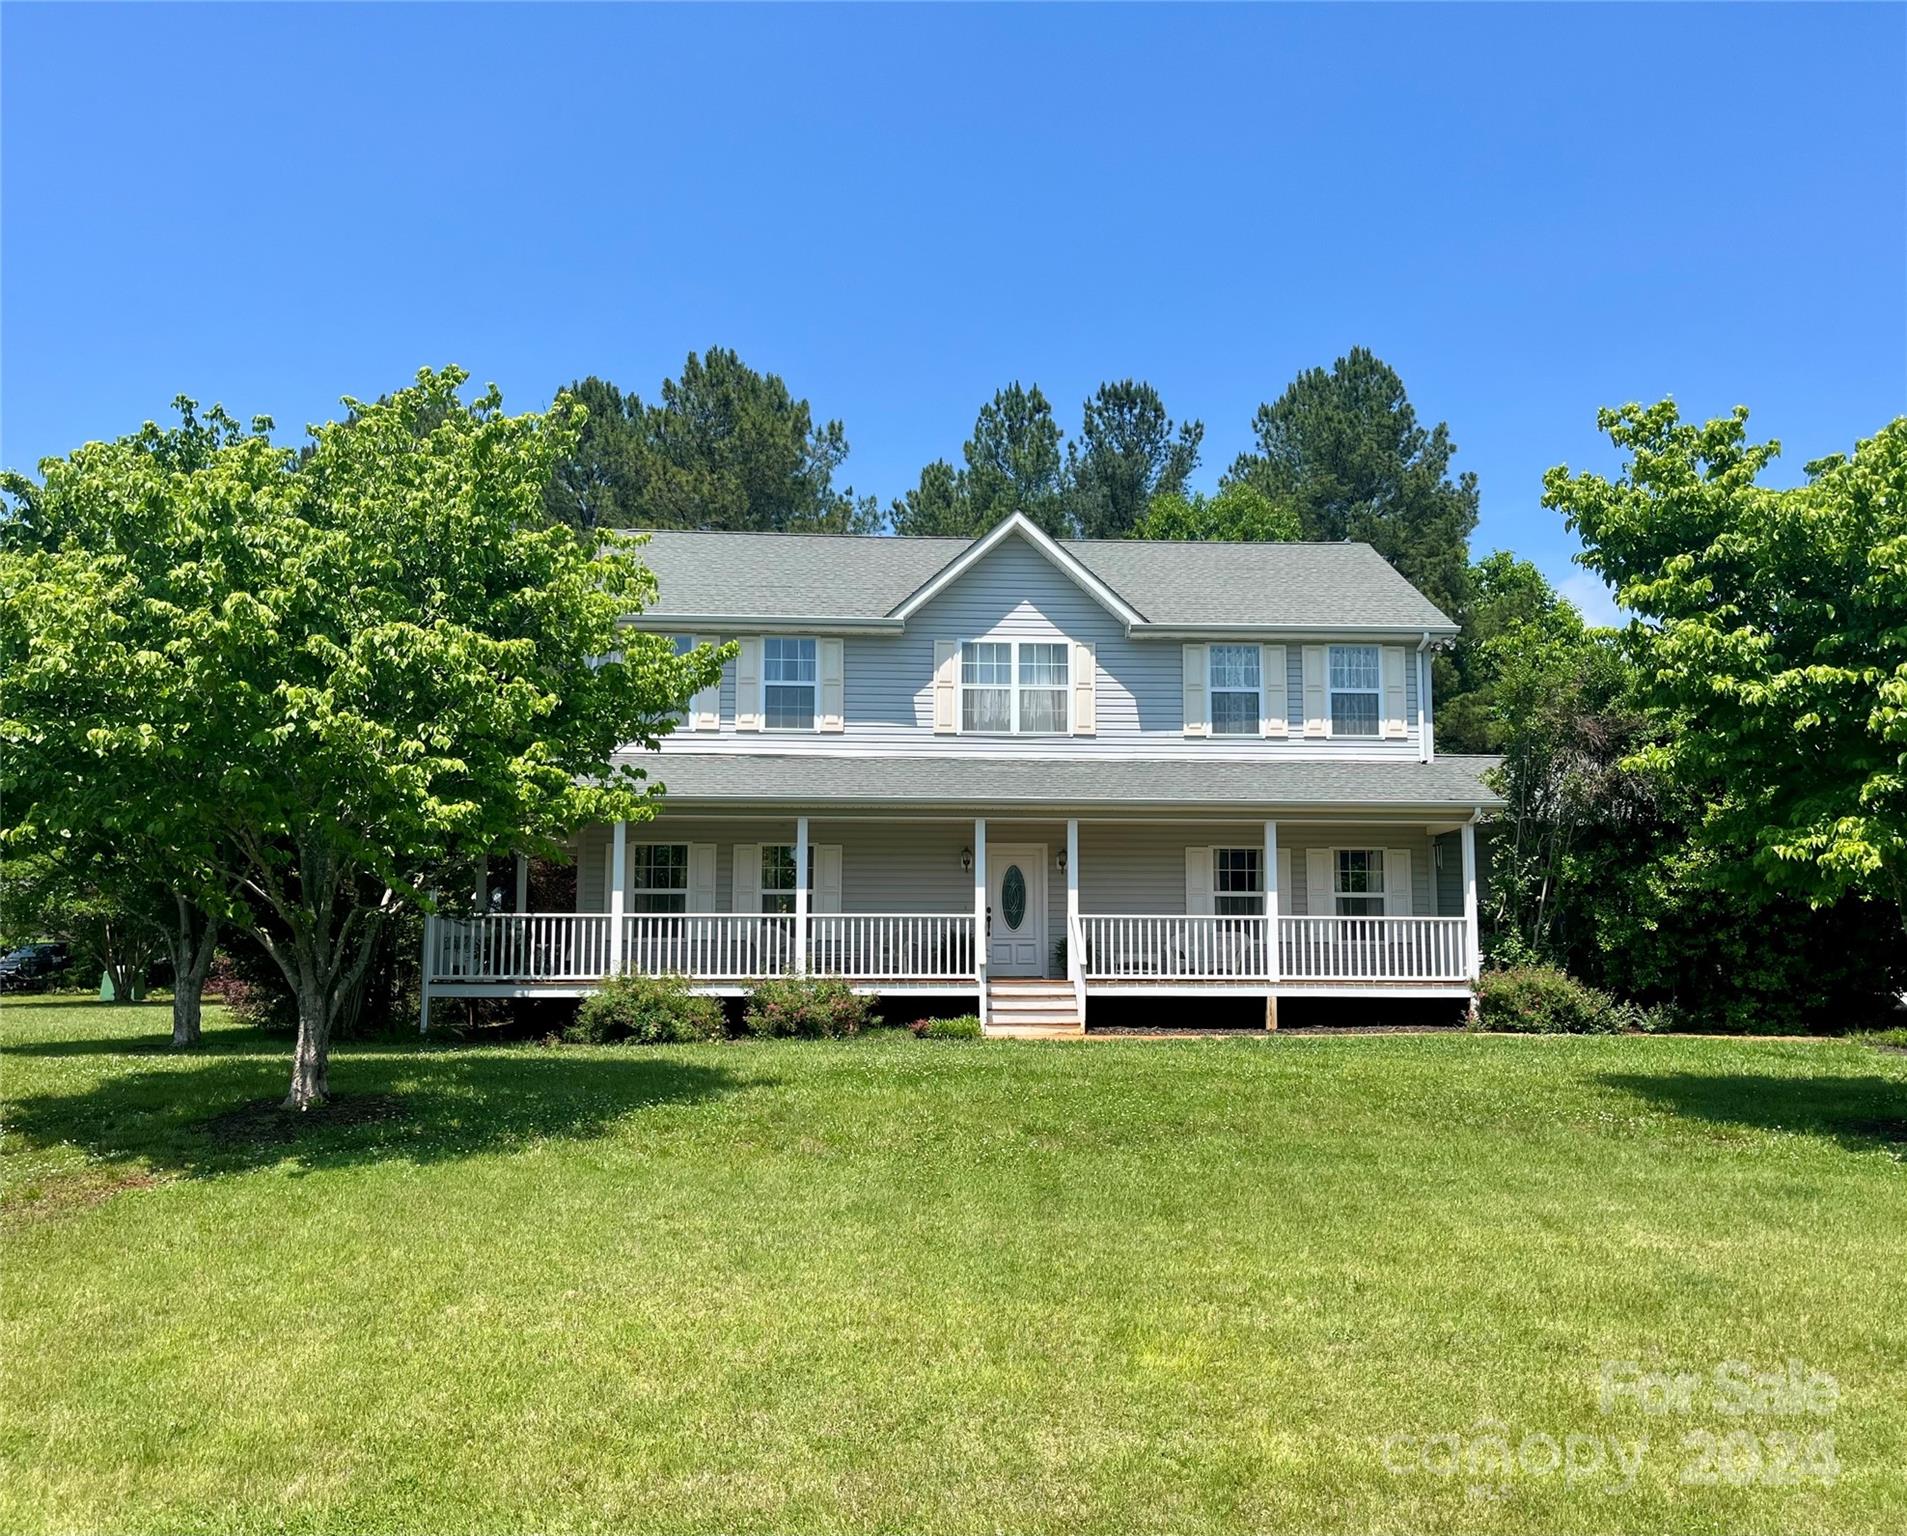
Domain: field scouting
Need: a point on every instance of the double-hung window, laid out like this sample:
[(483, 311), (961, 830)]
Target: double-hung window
[(778, 876), (1237, 691), (659, 877), (1355, 686), (788, 683), (1238, 882), (1357, 882), (1009, 686)]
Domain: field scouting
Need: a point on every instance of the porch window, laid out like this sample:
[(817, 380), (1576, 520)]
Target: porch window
[(1358, 882), (1237, 690), (1238, 882), (1009, 686), (659, 877), (1354, 690), (778, 876), (788, 683)]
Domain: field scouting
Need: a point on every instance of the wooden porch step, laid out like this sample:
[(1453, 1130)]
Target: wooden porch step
[(1032, 1008)]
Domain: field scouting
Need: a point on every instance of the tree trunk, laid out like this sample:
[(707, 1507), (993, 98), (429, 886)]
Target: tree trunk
[(185, 1014), (311, 1062)]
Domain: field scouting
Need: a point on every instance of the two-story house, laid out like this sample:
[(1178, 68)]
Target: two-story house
[(1033, 772)]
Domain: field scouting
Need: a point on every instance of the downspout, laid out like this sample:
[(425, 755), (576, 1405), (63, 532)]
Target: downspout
[(1423, 699)]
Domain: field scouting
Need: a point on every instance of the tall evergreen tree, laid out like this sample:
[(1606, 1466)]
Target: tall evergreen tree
[(727, 447), (1127, 453), (1012, 463), (1345, 448)]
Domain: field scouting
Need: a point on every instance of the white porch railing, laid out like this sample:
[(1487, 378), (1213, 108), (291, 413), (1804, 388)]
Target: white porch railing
[(575, 947), (892, 946), (1374, 949), (1169, 948), (1173, 948), (715, 946), (519, 946)]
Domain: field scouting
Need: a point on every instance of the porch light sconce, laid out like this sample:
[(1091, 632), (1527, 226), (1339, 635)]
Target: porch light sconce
[(1062, 861), (966, 859)]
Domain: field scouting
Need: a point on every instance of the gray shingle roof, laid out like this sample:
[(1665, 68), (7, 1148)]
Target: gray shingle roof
[(841, 576), (1000, 784)]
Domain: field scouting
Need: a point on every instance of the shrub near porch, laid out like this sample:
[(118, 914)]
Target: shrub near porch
[(873, 1284)]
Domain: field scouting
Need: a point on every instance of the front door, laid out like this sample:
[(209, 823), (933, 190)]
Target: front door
[(1016, 910)]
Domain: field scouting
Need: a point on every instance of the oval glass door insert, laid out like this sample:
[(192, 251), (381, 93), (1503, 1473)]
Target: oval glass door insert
[(1013, 896)]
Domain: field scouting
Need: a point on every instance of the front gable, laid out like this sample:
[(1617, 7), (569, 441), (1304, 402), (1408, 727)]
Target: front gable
[(1018, 528)]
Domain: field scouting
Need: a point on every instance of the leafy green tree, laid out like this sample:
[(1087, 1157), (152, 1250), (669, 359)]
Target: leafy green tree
[(1772, 640), (1012, 463), (1345, 449), (1240, 513), (1128, 453), (335, 683), (727, 447), (83, 896)]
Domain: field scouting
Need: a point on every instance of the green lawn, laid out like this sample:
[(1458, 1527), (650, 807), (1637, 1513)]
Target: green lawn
[(891, 1285)]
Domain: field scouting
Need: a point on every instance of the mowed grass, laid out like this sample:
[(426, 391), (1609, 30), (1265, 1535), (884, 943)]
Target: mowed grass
[(889, 1285)]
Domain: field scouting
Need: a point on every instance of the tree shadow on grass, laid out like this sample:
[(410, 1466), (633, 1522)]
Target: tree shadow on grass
[(207, 1116), (1862, 1113)]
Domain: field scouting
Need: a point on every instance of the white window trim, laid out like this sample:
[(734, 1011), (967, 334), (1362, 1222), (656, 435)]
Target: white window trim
[(1377, 895), (1331, 691), (1212, 690), (634, 890), (813, 687), (763, 890), (962, 687), (1258, 852)]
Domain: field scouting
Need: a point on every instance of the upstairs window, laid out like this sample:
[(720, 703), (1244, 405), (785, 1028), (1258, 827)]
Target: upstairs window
[(788, 684), (1357, 882), (1043, 677), (1009, 686), (1238, 882), (1237, 690), (1355, 686), (659, 877)]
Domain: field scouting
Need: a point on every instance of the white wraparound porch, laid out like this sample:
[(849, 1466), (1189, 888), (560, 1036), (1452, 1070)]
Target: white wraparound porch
[(951, 905)]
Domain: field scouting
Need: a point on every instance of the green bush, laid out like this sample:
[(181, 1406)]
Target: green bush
[(646, 1010), (966, 1027), (808, 1008), (1541, 1000)]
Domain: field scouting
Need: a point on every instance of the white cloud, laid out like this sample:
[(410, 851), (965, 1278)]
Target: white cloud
[(1593, 599)]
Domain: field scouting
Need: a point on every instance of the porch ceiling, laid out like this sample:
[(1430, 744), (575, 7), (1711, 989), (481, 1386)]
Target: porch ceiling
[(813, 780)]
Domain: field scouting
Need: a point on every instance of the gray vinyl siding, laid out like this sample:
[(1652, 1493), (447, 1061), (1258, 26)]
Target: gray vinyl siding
[(1014, 593), (1132, 868)]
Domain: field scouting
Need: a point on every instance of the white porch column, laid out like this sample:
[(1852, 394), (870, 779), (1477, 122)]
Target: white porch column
[(1072, 878), (522, 883), (801, 895), (618, 887), (1473, 938), (1272, 895), (980, 910)]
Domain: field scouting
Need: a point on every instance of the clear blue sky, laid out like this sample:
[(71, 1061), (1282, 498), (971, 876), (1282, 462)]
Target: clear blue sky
[(1527, 211)]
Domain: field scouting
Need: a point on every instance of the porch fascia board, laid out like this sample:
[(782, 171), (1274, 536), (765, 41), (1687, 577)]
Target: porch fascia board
[(1136, 811)]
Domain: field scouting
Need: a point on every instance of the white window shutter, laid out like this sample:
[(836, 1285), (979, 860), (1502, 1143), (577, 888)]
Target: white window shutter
[(1085, 689), (1197, 721), (1198, 882), (1317, 707), (701, 877), (1318, 901), (1394, 662), (744, 893), (705, 709), (946, 687), (831, 658), (1271, 672), (748, 685), (1397, 882), (827, 877)]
